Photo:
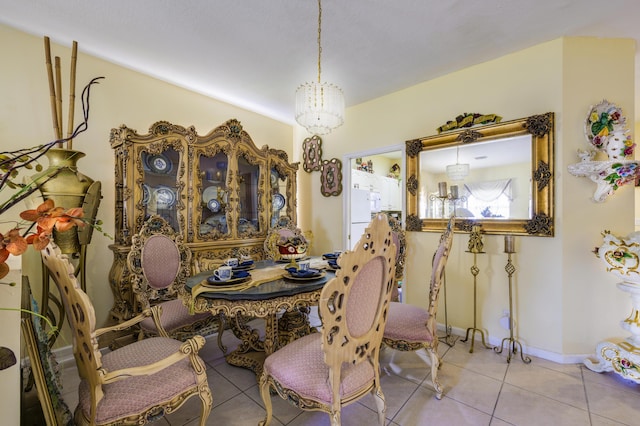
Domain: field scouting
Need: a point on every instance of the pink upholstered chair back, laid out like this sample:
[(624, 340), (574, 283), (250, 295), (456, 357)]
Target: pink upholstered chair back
[(353, 305), (80, 314), (159, 263)]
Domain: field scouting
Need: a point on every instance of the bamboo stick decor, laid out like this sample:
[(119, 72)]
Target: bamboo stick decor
[(55, 91)]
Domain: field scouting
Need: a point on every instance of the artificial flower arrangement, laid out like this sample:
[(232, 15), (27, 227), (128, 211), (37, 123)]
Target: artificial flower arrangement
[(47, 217)]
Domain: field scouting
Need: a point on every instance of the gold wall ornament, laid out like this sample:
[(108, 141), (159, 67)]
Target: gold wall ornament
[(414, 223), (412, 184), (540, 225), (331, 177), (542, 175), (540, 125), (469, 136), (413, 147)]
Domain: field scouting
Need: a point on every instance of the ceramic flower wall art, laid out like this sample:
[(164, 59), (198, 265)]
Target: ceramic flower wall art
[(608, 161)]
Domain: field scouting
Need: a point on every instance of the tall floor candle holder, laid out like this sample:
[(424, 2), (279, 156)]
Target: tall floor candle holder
[(510, 342), (475, 246), (445, 197)]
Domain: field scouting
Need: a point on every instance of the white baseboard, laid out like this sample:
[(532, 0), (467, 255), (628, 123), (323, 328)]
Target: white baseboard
[(528, 350)]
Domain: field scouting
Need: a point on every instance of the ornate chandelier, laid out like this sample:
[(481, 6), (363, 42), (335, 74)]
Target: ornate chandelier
[(319, 106)]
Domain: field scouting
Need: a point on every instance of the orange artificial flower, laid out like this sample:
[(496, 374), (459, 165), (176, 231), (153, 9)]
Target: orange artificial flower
[(72, 217), (45, 215), (12, 243), (40, 239)]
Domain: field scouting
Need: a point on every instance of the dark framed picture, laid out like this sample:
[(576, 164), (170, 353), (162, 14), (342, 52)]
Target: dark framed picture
[(312, 154), (331, 178)]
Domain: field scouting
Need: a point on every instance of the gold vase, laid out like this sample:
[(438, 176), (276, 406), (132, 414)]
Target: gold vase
[(67, 189)]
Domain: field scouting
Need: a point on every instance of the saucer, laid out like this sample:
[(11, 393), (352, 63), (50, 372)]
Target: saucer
[(238, 277), (309, 273), (316, 276)]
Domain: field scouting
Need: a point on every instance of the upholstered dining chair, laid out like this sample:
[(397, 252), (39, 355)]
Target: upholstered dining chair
[(400, 240), (136, 383), (159, 265), (337, 366), (410, 327)]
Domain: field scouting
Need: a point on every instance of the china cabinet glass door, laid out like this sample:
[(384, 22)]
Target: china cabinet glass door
[(159, 185)]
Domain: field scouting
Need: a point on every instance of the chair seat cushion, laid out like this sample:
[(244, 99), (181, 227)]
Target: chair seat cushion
[(300, 366), (407, 322), (136, 394), (175, 315)]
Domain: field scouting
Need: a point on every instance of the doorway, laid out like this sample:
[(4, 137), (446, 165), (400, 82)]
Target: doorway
[(374, 182)]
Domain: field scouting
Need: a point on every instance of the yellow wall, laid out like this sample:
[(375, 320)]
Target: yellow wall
[(564, 300)]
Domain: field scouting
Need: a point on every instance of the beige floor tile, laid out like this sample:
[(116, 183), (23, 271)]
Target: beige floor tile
[(610, 378), (396, 392), (483, 361), (283, 411), (553, 384), (468, 387), (614, 402), (414, 366), (523, 408), (423, 409), (603, 421), (238, 411), (352, 415)]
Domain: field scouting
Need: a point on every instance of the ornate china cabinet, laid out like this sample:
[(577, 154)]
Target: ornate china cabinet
[(218, 191)]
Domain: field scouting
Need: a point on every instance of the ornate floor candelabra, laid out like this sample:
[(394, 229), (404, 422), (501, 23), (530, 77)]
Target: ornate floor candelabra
[(510, 342), (444, 197), (475, 246)]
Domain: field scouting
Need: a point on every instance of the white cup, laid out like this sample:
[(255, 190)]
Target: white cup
[(232, 261), (223, 273), (304, 265)]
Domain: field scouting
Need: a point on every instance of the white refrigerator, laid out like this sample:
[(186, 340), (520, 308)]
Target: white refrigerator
[(360, 214)]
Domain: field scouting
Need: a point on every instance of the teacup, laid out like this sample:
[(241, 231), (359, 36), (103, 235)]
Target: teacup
[(304, 265), (223, 273), (232, 261)]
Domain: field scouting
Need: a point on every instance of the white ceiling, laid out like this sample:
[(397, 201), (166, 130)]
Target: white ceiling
[(255, 53)]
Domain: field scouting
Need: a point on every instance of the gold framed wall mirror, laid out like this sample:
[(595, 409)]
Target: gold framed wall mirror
[(499, 176)]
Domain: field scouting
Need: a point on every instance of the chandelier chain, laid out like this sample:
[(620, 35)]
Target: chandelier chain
[(319, 38)]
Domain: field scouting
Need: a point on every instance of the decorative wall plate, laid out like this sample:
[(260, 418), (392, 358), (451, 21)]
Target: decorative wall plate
[(165, 196), (146, 194), (210, 193), (213, 205), (158, 163), (274, 178), (278, 202)]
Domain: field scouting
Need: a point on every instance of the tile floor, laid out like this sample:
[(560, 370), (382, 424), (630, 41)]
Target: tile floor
[(481, 388)]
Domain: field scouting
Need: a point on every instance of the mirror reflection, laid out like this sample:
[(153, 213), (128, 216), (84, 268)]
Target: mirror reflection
[(490, 179), (498, 176)]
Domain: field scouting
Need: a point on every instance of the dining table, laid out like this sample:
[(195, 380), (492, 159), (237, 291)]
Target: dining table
[(270, 293)]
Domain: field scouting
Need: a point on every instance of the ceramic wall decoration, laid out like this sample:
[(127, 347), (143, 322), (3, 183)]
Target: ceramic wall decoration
[(620, 256), (331, 177), (608, 161), (312, 154)]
